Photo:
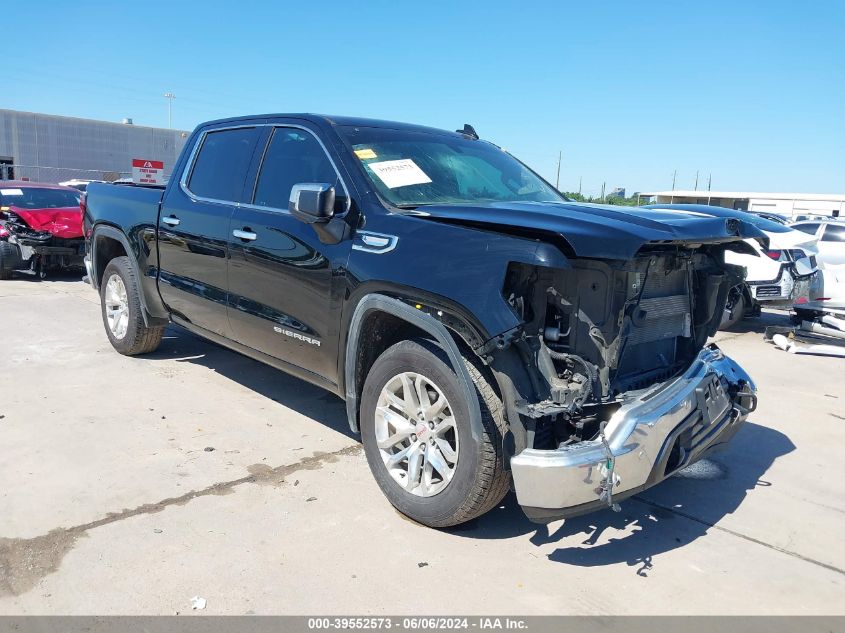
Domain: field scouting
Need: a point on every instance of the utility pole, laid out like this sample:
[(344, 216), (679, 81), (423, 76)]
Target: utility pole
[(696, 181), (170, 97), (709, 180), (559, 158), (580, 178), (602, 191), (674, 175)]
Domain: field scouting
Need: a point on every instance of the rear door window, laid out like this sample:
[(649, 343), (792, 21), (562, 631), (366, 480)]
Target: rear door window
[(221, 165), (807, 228), (833, 233)]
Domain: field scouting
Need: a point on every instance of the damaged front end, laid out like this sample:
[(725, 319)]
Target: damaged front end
[(618, 389), (36, 245)]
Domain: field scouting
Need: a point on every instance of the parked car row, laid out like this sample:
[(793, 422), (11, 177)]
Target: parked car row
[(778, 274)]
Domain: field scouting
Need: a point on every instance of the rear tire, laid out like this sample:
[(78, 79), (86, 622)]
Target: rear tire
[(120, 305), (477, 481)]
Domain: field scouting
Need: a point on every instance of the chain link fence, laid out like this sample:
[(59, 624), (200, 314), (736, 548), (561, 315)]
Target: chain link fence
[(35, 173)]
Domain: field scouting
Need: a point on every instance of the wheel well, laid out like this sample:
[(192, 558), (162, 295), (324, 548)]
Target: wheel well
[(107, 248), (380, 330)]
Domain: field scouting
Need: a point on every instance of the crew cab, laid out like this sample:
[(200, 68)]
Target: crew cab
[(485, 332)]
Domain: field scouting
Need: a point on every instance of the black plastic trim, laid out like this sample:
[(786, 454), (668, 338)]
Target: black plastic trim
[(427, 323), (105, 230)]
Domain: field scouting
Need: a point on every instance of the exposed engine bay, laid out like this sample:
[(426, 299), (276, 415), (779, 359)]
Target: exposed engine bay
[(604, 330)]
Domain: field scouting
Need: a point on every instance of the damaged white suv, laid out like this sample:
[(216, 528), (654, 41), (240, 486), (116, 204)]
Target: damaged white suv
[(778, 275)]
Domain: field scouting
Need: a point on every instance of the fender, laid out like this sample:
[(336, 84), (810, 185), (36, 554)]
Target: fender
[(158, 315), (427, 323)]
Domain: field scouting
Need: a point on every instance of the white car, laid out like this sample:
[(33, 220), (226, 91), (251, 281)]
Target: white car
[(78, 183), (777, 276), (831, 240), (827, 294)]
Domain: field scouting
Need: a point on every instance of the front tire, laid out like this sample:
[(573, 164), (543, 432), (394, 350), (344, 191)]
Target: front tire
[(417, 437), (120, 305)]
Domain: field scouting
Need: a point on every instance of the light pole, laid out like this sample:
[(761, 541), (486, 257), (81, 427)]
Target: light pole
[(557, 181), (170, 97)]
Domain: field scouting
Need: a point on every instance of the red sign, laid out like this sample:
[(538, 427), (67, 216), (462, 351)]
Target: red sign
[(147, 172)]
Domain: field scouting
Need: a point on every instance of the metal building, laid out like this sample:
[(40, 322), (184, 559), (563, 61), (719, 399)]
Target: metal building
[(50, 148), (791, 205)]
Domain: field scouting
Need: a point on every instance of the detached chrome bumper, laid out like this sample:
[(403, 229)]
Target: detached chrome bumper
[(650, 437)]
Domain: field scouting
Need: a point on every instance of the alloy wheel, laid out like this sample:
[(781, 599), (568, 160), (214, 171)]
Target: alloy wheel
[(117, 306), (416, 434)]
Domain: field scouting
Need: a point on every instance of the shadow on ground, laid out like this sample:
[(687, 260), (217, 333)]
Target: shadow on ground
[(670, 515), (757, 324), (62, 276), (181, 346)]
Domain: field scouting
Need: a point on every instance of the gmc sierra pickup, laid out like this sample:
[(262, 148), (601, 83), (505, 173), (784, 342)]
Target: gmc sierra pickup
[(484, 331)]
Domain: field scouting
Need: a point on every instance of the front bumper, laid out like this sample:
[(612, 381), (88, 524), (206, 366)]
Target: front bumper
[(651, 436)]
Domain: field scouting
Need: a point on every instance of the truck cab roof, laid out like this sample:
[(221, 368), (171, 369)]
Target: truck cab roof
[(333, 120)]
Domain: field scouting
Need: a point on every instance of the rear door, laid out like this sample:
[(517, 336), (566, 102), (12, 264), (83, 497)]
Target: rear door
[(285, 285), (832, 245), (194, 227)]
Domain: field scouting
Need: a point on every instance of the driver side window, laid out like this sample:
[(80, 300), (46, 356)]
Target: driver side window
[(294, 156)]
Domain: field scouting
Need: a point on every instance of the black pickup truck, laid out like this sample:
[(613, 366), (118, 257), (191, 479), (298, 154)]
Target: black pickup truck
[(485, 332)]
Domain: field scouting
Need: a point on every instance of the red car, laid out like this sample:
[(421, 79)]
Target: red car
[(40, 227)]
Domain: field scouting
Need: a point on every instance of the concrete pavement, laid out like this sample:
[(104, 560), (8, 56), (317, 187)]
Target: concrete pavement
[(129, 485)]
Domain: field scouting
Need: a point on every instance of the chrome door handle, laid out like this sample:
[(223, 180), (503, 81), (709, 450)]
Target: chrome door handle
[(170, 220), (249, 236)]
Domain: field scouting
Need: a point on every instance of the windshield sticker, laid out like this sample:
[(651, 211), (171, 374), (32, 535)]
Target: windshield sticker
[(365, 154), (399, 173), (11, 192)]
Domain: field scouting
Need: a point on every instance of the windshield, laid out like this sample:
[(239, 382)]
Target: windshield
[(412, 168), (35, 198)]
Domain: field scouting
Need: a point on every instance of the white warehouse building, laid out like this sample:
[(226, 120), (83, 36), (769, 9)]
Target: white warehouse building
[(791, 205)]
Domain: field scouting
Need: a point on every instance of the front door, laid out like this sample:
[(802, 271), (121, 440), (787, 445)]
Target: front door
[(194, 228), (284, 284)]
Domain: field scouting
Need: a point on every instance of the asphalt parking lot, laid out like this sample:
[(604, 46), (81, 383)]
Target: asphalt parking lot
[(130, 485)]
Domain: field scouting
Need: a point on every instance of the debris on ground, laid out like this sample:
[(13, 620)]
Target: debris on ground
[(311, 499), (208, 449), (787, 345), (198, 603), (422, 564), (157, 531), (824, 335)]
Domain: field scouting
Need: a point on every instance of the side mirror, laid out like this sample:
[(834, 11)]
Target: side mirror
[(312, 202)]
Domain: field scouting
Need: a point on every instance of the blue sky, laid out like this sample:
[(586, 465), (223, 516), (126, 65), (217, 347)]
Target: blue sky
[(752, 92)]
